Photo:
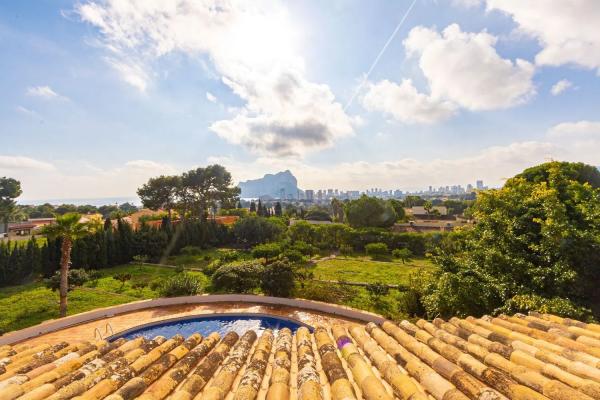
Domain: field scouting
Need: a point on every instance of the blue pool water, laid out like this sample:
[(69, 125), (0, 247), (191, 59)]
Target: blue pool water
[(212, 323)]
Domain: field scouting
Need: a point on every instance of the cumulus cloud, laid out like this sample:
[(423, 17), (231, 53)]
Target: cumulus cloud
[(560, 87), (465, 68), (149, 165), (11, 163), (251, 46), (405, 103), (44, 92), (567, 30), (576, 130)]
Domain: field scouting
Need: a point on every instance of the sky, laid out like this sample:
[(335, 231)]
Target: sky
[(98, 96)]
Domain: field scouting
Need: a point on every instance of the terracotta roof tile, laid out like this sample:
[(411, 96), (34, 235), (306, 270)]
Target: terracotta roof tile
[(522, 357)]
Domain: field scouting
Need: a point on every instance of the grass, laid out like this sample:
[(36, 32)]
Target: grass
[(362, 269), (202, 258), (29, 304)]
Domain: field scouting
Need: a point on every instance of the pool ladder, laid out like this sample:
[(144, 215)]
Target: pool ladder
[(107, 329)]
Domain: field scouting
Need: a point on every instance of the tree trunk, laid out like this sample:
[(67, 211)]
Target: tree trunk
[(65, 260)]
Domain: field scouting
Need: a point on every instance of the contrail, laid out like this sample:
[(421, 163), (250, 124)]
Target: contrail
[(385, 46)]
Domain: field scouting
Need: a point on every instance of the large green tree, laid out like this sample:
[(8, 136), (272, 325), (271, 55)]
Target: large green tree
[(370, 212), (206, 188), (10, 189), (160, 192), (68, 229), (536, 244)]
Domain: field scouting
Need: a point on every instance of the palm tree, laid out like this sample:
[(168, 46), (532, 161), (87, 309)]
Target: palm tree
[(68, 228)]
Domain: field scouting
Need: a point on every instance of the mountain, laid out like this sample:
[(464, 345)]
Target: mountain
[(273, 185)]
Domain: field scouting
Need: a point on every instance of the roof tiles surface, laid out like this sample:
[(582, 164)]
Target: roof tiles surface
[(521, 357)]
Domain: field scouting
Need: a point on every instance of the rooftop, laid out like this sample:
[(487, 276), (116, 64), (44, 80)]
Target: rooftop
[(537, 356)]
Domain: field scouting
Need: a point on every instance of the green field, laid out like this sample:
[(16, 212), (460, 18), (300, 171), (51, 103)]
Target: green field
[(25, 305), (362, 269), (29, 304)]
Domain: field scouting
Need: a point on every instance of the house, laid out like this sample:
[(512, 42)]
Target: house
[(420, 211), (428, 226)]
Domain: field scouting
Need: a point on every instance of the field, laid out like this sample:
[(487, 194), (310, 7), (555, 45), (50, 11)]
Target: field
[(362, 269), (29, 304)]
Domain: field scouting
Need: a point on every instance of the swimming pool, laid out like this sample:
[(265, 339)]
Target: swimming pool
[(205, 325)]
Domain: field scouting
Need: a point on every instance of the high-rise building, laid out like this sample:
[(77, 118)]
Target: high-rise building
[(479, 184), (310, 194)]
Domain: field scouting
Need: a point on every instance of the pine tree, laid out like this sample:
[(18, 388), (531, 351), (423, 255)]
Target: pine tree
[(278, 211), (252, 206)]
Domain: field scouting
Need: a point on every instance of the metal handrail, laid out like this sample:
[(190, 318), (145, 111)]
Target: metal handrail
[(108, 325), (97, 333)]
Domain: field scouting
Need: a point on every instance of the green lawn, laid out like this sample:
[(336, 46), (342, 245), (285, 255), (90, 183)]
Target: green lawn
[(203, 258), (29, 304), (362, 269)]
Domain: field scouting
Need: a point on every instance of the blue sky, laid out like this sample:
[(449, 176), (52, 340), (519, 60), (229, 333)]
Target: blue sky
[(100, 95)]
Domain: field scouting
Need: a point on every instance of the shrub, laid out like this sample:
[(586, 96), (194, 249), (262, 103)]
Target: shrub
[(377, 251), (122, 277), (346, 250), (377, 289), (155, 284), (239, 277), (326, 293), (207, 258), (293, 256), (278, 279), (228, 256), (179, 269), (76, 277), (555, 305), (404, 255), (251, 231), (180, 285), (191, 251), (267, 251), (304, 248)]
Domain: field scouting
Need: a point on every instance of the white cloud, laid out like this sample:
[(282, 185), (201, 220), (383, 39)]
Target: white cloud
[(211, 97), (44, 92), (560, 87), (467, 3), (465, 68), (567, 30), (576, 130), (405, 104), (10, 163), (149, 165), (250, 44), (131, 72)]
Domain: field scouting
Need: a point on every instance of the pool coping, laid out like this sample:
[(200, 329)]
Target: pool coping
[(204, 316), (54, 325)]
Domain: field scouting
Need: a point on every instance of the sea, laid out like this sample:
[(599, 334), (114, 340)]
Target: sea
[(97, 202)]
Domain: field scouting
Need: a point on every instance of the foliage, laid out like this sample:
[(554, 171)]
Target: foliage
[(278, 279), (403, 255), (556, 305), (76, 277), (317, 213), (370, 212), (238, 277), (326, 293), (122, 277), (160, 192), (538, 236), (181, 285), (251, 231), (19, 262), (267, 251), (10, 189), (191, 251), (292, 255), (398, 207), (377, 251), (377, 289)]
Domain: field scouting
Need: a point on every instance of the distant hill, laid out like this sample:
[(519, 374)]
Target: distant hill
[(273, 185)]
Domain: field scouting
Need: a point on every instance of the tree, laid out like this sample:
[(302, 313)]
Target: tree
[(67, 228), (122, 277), (404, 255), (238, 277), (337, 209), (537, 238), (253, 230), (398, 207), (160, 193), (252, 206), (10, 189), (316, 213), (278, 211), (208, 188), (259, 209), (370, 212), (278, 279), (267, 251)]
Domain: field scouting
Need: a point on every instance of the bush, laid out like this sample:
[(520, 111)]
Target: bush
[(240, 277), (76, 277), (555, 305), (405, 255), (293, 256), (155, 284), (304, 248), (377, 251), (278, 279), (251, 231), (325, 292), (267, 251), (179, 269), (346, 250), (226, 257), (377, 289), (370, 212), (181, 285), (191, 251)]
